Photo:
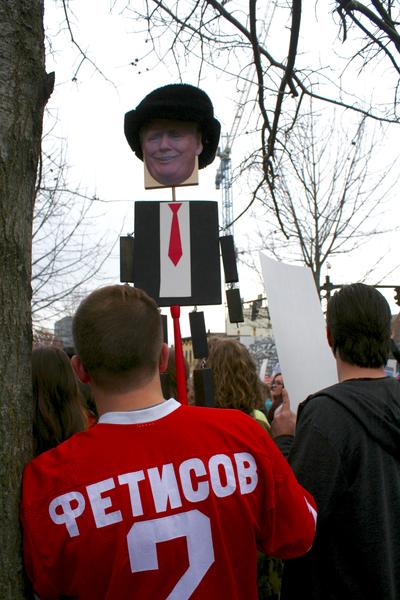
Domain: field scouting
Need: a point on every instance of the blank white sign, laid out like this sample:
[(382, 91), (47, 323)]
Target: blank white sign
[(298, 325)]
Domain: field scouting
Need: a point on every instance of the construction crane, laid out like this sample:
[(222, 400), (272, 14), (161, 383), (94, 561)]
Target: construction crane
[(223, 178)]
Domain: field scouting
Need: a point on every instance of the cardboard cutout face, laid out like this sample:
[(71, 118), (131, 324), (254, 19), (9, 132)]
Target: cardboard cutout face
[(170, 151)]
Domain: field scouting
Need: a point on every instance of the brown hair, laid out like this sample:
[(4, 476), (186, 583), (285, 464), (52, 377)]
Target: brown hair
[(236, 383), (58, 409), (118, 336)]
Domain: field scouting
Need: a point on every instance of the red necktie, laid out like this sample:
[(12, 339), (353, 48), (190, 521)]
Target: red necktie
[(175, 245)]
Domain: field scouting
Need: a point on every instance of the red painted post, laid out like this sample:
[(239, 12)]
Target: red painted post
[(179, 364)]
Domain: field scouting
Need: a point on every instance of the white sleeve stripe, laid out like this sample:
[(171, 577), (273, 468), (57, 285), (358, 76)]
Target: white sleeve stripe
[(311, 509)]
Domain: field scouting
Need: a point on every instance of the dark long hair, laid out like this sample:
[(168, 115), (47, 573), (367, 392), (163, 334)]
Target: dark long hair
[(58, 408)]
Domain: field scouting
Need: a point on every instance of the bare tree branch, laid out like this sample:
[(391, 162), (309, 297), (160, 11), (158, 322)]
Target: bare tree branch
[(328, 202), (84, 55), (66, 253)]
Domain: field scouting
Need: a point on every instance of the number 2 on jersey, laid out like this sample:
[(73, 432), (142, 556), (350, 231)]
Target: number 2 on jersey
[(144, 536)]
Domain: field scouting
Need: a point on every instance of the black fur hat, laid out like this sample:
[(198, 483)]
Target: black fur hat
[(182, 102)]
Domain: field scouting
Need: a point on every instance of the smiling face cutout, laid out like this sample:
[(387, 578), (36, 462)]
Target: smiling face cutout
[(170, 151)]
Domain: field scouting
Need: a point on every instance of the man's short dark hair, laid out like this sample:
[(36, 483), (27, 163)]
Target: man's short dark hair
[(118, 336), (359, 320)]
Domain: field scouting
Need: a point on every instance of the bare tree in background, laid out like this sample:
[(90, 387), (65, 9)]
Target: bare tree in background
[(376, 25), (43, 337), (66, 252), (264, 46), (229, 36), (330, 195)]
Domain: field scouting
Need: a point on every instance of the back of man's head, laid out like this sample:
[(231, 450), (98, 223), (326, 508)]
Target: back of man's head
[(118, 337), (359, 320)]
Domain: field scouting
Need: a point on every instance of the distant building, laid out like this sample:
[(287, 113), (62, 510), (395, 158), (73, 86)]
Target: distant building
[(63, 331), (187, 347), (258, 327), (256, 334)]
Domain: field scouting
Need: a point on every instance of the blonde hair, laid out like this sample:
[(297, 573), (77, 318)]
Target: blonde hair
[(236, 383)]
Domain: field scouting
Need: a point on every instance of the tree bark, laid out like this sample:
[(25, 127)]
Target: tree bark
[(24, 89)]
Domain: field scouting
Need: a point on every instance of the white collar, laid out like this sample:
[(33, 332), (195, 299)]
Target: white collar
[(141, 415)]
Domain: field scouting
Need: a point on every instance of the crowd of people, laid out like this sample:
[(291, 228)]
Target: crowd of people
[(133, 495)]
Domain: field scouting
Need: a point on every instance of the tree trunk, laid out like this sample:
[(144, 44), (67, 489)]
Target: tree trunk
[(23, 94)]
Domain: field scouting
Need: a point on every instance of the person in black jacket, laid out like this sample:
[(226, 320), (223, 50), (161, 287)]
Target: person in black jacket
[(346, 452)]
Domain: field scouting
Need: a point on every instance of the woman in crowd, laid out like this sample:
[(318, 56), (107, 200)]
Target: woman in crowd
[(277, 386), (237, 385), (58, 404), (236, 382)]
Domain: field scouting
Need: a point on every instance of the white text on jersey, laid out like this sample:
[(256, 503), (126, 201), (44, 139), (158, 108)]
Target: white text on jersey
[(221, 474)]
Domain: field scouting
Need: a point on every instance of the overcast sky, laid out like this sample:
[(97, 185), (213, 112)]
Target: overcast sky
[(90, 112)]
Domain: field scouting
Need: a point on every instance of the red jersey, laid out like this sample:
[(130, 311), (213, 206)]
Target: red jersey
[(167, 502)]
